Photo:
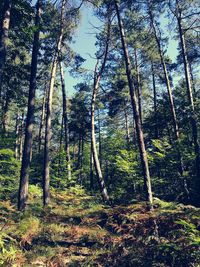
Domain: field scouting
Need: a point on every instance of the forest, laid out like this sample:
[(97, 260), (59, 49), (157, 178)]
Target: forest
[(105, 172)]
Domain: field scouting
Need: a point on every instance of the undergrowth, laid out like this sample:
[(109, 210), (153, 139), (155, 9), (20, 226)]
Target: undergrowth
[(77, 230)]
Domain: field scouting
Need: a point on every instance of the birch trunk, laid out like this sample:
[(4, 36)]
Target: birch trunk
[(97, 78), (46, 168), (65, 118)]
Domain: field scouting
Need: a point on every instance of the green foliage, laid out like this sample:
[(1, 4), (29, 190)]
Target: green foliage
[(8, 253), (9, 173), (191, 231)]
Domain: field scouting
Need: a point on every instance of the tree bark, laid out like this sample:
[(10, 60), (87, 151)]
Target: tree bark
[(16, 148), (136, 114), (97, 78), (5, 114), (91, 169), (46, 168), (99, 128), (154, 101), (192, 79), (26, 158), (42, 119), (127, 128), (4, 37), (138, 84), (21, 139), (66, 124)]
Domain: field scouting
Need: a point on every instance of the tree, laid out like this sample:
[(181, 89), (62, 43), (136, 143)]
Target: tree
[(46, 169), (97, 78), (181, 11), (168, 85), (65, 118), (26, 158), (5, 25), (134, 103)]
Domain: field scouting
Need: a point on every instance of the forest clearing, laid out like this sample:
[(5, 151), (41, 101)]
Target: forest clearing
[(99, 133)]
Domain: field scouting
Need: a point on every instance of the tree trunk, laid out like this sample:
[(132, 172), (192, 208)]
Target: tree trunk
[(60, 147), (79, 157), (4, 37), (138, 84), (26, 158), (154, 101), (136, 114), (46, 169), (66, 125), (192, 79), (171, 100), (99, 128), (81, 161), (97, 78), (42, 119), (193, 116), (91, 170), (127, 128), (21, 134), (167, 81), (5, 114), (16, 148), (94, 146)]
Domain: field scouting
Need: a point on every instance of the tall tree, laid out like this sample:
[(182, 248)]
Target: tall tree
[(97, 78), (193, 116), (46, 167), (136, 114), (168, 85), (26, 158), (65, 118), (5, 24)]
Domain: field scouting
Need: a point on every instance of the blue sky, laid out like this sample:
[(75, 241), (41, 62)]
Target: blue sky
[(84, 44)]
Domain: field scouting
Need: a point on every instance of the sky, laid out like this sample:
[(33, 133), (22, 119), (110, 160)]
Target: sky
[(84, 44)]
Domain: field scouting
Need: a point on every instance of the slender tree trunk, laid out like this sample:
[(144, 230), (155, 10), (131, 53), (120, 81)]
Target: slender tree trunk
[(99, 128), (66, 125), (79, 157), (81, 161), (127, 128), (91, 170), (60, 146), (4, 37), (138, 84), (97, 78), (154, 101), (192, 79), (136, 114), (46, 169), (17, 136), (21, 139), (193, 116), (42, 118), (26, 159), (171, 100), (167, 80), (5, 114), (94, 146)]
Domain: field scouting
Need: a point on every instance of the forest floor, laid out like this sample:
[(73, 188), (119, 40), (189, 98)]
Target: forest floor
[(76, 230)]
